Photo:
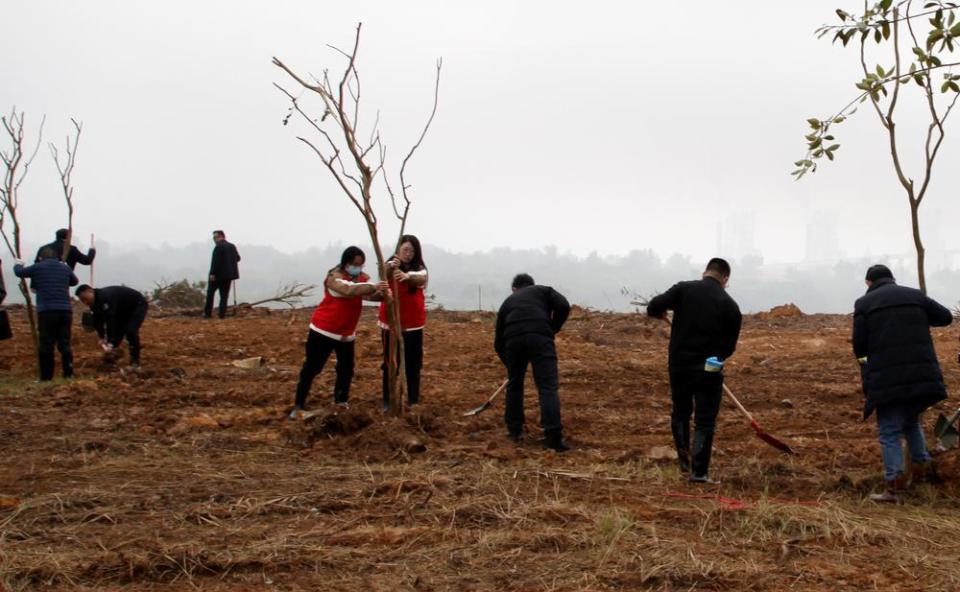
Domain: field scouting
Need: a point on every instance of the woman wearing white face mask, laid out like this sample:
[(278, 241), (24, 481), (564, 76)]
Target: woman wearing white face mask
[(333, 327)]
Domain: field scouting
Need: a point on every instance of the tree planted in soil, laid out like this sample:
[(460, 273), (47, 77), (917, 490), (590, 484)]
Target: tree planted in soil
[(16, 164), (916, 41), (356, 163)]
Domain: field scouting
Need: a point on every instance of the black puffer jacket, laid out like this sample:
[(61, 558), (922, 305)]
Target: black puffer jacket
[(891, 329), (537, 310)]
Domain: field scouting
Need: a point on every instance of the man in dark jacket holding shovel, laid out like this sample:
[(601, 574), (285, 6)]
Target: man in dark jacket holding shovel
[(526, 324), (706, 326), (900, 371)]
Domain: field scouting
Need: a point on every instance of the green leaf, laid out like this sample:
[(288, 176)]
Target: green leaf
[(839, 119), (919, 79), (842, 14), (815, 144), (814, 123), (832, 148), (954, 87), (880, 72), (955, 30), (829, 155), (885, 5), (886, 30)]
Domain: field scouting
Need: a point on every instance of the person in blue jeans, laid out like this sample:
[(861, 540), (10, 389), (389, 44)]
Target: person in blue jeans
[(900, 372)]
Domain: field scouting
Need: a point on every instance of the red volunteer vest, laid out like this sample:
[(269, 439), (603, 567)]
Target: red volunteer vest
[(413, 310), (339, 315)]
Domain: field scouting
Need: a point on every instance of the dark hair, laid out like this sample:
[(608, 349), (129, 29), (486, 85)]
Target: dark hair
[(522, 280), (62, 234), (220, 232), (349, 254), (720, 266), (48, 253), (878, 272), (416, 264), (82, 288)]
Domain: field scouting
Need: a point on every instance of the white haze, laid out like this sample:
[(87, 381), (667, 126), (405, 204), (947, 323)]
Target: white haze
[(597, 128)]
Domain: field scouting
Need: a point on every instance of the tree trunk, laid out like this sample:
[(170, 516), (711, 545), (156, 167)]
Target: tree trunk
[(393, 320), (918, 244), (31, 316)]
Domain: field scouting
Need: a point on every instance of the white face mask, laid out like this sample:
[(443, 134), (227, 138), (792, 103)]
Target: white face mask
[(354, 270)]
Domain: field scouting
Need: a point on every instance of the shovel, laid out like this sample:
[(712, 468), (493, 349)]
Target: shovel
[(488, 402), (757, 429), (946, 432)]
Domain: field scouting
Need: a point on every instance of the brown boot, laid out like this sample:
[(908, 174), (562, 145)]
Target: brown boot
[(892, 493), (925, 473)]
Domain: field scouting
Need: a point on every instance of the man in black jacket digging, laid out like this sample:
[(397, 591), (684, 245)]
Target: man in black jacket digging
[(900, 371), (223, 271), (526, 324), (706, 324), (118, 313)]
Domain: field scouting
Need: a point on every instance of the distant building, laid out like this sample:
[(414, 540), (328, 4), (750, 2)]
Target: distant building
[(823, 243)]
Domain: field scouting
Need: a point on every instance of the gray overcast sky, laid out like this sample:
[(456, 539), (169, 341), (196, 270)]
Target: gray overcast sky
[(602, 126)]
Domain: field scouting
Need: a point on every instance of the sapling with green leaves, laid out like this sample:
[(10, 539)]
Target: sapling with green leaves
[(914, 46)]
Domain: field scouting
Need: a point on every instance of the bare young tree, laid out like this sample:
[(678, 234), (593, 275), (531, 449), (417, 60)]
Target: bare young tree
[(66, 172), (16, 164), (917, 42), (289, 294), (356, 164)]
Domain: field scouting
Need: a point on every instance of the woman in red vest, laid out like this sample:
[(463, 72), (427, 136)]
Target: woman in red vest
[(333, 327), (408, 284)]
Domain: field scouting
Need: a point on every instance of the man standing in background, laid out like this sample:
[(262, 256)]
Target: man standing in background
[(223, 271), (74, 256)]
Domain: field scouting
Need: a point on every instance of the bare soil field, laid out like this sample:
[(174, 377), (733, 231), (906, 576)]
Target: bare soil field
[(187, 475)]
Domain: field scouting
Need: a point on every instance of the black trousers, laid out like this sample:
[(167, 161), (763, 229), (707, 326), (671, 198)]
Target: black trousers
[(319, 348), (223, 287), (413, 363), (538, 351), (54, 330), (695, 393), (131, 331)]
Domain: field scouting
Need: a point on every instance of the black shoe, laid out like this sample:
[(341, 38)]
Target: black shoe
[(556, 443), (703, 479)]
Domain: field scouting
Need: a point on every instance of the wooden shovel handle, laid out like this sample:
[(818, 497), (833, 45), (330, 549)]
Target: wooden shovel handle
[(737, 403)]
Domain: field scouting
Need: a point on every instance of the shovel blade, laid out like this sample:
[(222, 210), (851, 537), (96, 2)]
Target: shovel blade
[(478, 410), (771, 440), (947, 434)]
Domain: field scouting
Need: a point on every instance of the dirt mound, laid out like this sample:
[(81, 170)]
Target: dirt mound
[(784, 311)]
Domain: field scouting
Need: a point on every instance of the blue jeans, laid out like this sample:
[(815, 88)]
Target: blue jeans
[(896, 423)]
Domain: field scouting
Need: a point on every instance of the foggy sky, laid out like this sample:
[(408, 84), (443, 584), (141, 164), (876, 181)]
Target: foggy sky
[(604, 126)]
